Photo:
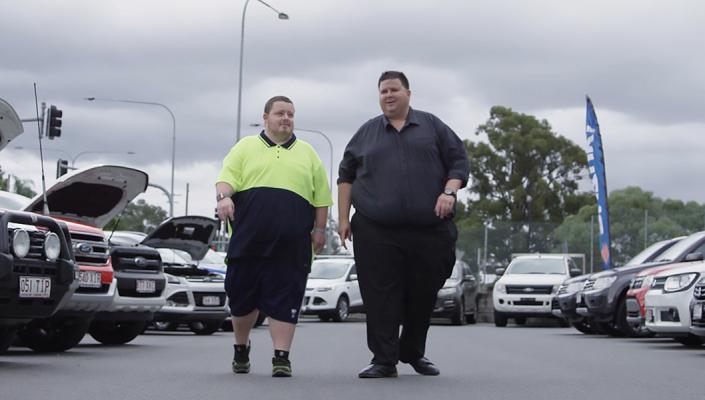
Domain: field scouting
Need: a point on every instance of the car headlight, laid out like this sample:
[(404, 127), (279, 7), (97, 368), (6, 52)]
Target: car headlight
[(447, 291), (677, 283), (555, 288), (647, 281), (574, 287), (20, 243), (324, 289), (52, 246), (604, 282), (501, 288), (172, 279)]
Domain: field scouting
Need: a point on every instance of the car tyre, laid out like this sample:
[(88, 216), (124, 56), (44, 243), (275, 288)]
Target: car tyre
[(500, 320), (53, 335), (583, 327), (472, 318), (116, 332), (165, 326), (342, 309), (204, 327), (624, 325), (690, 340), (459, 317)]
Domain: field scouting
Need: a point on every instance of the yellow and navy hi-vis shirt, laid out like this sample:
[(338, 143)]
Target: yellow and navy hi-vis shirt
[(277, 189)]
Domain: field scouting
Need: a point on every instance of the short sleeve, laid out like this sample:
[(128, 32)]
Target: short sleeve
[(231, 172)]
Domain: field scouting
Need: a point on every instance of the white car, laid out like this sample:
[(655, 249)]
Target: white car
[(668, 302), (528, 286), (332, 290)]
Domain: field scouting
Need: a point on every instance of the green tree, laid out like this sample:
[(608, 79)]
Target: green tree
[(22, 186), (628, 209), (524, 181), (139, 216)]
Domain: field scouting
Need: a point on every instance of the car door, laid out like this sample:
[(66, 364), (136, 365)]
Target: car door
[(355, 297)]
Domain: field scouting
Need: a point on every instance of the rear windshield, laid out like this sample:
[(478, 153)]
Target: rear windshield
[(537, 266)]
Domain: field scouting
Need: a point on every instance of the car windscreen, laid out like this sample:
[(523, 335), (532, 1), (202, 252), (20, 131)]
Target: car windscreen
[(537, 266), (12, 201), (327, 270), (645, 254), (213, 258), (680, 247)]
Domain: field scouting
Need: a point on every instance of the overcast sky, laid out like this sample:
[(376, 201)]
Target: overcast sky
[(641, 62)]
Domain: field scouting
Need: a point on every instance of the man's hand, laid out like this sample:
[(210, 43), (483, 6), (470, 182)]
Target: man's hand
[(445, 206), (319, 240), (226, 209), (345, 232)]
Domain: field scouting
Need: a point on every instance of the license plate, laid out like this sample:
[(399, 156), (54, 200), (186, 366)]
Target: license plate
[(697, 311), (35, 287), (211, 300), (90, 279), (146, 286)]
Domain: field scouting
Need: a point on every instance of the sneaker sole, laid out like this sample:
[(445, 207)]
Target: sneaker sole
[(241, 369), (281, 373)]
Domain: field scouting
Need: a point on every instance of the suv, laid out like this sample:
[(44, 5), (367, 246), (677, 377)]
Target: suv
[(606, 292), (85, 200), (528, 286), (457, 299), (194, 295), (332, 289)]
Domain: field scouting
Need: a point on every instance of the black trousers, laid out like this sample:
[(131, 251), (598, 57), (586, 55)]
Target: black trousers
[(400, 270)]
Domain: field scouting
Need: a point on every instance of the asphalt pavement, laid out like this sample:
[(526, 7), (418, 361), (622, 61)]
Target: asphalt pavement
[(476, 362)]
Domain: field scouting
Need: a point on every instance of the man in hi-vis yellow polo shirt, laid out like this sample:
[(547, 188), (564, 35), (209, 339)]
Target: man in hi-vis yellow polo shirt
[(273, 190)]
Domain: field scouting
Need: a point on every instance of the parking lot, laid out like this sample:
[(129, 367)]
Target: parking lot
[(476, 361)]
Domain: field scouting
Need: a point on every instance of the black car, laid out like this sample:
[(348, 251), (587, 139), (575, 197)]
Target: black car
[(569, 298), (457, 299), (605, 292)]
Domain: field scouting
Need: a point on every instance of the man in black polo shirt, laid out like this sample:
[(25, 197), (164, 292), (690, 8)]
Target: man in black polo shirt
[(401, 171), (273, 191)]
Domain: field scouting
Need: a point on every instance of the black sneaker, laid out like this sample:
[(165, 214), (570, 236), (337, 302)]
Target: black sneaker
[(281, 367), (241, 359)]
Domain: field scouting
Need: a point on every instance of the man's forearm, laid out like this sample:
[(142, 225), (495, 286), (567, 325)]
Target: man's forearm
[(344, 201), (224, 188), (454, 184), (321, 218)]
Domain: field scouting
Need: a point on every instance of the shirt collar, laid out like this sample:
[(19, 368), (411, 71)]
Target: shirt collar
[(411, 119), (287, 145)]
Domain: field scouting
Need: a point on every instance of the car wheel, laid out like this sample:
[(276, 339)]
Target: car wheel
[(459, 317), (583, 327), (165, 326), (342, 309), (53, 335), (204, 327), (500, 320), (521, 321), (7, 335), (690, 340), (472, 318), (116, 332), (260, 319), (631, 330)]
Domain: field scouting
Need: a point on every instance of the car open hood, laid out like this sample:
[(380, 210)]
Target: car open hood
[(92, 196), (10, 124), (192, 234)]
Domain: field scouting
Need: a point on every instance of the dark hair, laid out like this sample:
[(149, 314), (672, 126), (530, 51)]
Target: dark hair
[(386, 75), (268, 105)]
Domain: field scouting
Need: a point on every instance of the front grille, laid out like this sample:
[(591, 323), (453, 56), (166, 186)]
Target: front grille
[(132, 259), (102, 289), (527, 303), (699, 292), (554, 304), (178, 298), (589, 284), (90, 249), (527, 289), (198, 297), (659, 283)]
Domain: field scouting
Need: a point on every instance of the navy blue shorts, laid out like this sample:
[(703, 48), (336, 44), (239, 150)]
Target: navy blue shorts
[(273, 285)]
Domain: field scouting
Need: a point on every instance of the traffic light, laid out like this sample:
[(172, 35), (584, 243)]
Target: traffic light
[(54, 122), (62, 167)]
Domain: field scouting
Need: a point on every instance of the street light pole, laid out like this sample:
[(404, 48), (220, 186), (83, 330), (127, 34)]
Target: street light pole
[(173, 143), (281, 15)]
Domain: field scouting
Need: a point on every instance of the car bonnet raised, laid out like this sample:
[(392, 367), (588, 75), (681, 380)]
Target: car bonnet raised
[(192, 234)]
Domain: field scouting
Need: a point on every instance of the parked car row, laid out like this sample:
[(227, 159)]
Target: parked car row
[(660, 292)]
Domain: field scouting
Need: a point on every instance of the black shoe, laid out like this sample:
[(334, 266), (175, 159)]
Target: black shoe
[(241, 359), (378, 371), (424, 366)]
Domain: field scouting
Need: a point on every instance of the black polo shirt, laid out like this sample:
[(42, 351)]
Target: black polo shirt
[(397, 176)]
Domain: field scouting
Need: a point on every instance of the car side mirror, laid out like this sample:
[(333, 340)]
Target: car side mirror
[(353, 277), (697, 256), (575, 272), (499, 271)]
